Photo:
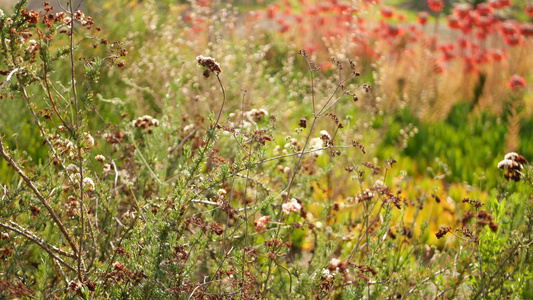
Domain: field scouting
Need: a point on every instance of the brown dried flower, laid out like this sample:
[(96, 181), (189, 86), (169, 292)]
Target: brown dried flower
[(210, 64), (442, 232)]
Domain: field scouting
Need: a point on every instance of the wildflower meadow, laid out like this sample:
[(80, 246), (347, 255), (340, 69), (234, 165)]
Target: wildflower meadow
[(266, 149)]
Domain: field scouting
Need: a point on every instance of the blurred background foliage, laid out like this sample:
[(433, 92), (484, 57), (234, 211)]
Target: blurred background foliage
[(470, 141)]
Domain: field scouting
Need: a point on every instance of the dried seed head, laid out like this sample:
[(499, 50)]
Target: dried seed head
[(442, 232), (261, 223), (89, 141), (210, 64), (509, 164), (72, 168), (292, 206), (88, 184)]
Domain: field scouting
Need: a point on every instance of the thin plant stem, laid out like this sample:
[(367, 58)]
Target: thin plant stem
[(41, 198), (78, 141), (246, 216), (45, 246), (480, 269), (216, 272), (211, 135)]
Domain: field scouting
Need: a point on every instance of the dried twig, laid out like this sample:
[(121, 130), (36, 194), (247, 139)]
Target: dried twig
[(41, 198), (45, 246)]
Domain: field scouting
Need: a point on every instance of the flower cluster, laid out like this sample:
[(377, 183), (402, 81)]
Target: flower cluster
[(517, 81), (365, 196), (261, 223), (71, 206), (442, 232), (146, 122), (63, 146), (513, 163), (484, 218), (436, 5), (292, 206), (210, 64), (88, 141), (256, 114), (337, 266)]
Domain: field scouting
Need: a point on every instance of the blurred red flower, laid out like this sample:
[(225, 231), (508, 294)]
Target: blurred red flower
[(529, 9), (526, 29), (387, 12), (483, 9), (422, 18), (517, 81), (453, 22), (497, 55), (436, 5), (462, 10)]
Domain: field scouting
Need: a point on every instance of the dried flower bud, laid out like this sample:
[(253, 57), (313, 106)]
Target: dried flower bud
[(89, 141), (303, 123), (72, 169), (88, 184), (442, 232), (209, 63), (260, 223), (292, 206)]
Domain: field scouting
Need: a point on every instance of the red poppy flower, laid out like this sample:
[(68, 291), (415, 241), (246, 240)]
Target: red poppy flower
[(480, 34), (497, 55), (205, 3), (517, 81), (387, 12), (422, 18), (509, 28), (438, 67), (271, 11), (470, 66), (436, 5), (529, 9), (504, 3), (394, 30), (512, 40), (462, 10), (453, 22), (526, 29), (466, 25), (462, 42), (483, 9)]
